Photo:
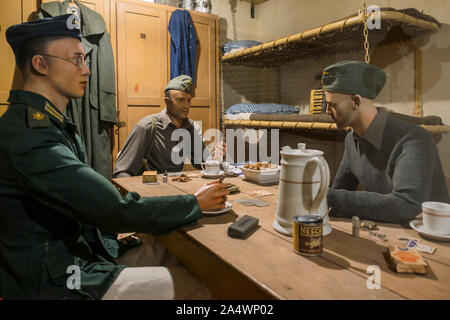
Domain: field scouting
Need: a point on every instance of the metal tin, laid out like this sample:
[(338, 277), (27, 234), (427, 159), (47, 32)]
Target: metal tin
[(307, 232)]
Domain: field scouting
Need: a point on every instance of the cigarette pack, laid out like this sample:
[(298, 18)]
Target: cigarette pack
[(149, 177)]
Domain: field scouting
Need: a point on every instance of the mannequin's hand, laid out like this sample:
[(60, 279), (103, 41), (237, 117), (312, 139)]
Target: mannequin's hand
[(212, 196)]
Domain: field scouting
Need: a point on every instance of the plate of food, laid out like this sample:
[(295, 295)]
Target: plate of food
[(261, 172)]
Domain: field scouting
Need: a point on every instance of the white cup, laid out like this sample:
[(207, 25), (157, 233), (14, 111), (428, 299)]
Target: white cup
[(211, 167), (436, 217)]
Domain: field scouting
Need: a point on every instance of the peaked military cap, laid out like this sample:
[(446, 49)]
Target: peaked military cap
[(64, 25), (354, 77), (180, 83)]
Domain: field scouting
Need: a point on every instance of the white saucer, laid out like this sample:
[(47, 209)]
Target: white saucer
[(232, 173), (418, 226), (211, 176), (227, 208)]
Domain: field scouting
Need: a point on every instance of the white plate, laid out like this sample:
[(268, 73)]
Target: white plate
[(211, 176), (418, 226), (227, 208)]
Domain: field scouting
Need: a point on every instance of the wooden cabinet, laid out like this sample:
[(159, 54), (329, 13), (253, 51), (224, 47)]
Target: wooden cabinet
[(143, 64), (204, 101), (10, 13), (141, 45), (17, 11)]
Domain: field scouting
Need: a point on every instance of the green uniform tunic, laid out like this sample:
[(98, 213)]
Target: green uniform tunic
[(55, 211)]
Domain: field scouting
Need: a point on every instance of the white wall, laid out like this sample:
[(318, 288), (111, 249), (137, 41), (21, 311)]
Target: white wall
[(235, 21)]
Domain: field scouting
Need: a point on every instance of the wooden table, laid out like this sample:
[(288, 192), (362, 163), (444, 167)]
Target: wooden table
[(264, 266)]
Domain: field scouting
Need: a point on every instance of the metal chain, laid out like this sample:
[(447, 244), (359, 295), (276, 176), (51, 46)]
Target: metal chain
[(222, 101), (363, 14)]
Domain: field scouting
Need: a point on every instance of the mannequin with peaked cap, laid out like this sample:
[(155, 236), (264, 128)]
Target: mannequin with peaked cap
[(58, 215), (395, 162), (150, 145)]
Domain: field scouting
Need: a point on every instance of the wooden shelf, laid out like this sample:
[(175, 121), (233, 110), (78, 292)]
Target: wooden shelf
[(323, 126), (344, 35)]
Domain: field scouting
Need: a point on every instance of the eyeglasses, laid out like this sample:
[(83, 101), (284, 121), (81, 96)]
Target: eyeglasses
[(79, 61)]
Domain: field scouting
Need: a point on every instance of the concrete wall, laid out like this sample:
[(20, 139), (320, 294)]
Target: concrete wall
[(278, 18)]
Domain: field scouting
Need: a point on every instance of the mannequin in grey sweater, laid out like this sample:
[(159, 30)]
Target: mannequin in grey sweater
[(397, 163)]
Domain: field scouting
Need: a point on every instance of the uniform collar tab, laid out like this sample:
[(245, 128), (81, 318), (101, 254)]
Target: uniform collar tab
[(37, 101)]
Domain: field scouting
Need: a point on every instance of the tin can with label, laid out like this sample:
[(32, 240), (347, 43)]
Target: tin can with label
[(307, 233)]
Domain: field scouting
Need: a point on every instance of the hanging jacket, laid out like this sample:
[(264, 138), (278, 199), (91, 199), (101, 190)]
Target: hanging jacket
[(183, 45), (95, 113)]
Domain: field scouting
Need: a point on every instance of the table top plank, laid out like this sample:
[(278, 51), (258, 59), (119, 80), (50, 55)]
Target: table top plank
[(340, 245), (285, 274), (357, 254), (270, 260), (393, 232), (222, 278)]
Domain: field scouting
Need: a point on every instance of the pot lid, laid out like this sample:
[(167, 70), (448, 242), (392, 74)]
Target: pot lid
[(301, 151)]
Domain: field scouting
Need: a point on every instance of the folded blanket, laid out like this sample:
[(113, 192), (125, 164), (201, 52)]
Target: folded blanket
[(267, 108), (292, 117), (232, 45)]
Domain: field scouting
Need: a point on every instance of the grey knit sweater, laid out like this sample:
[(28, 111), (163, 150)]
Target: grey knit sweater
[(398, 165)]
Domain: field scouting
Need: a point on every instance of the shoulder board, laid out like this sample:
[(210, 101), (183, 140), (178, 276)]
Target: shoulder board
[(37, 119)]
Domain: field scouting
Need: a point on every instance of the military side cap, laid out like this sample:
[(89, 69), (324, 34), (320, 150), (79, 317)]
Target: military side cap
[(180, 83), (65, 25), (354, 77)]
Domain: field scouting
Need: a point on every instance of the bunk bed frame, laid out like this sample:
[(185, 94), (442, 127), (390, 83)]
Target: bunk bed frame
[(344, 35)]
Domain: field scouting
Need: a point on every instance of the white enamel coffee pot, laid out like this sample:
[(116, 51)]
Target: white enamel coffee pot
[(304, 180)]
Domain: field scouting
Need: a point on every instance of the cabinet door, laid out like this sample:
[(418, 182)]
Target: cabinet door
[(142, 63), (204, 101), (10, 14)]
